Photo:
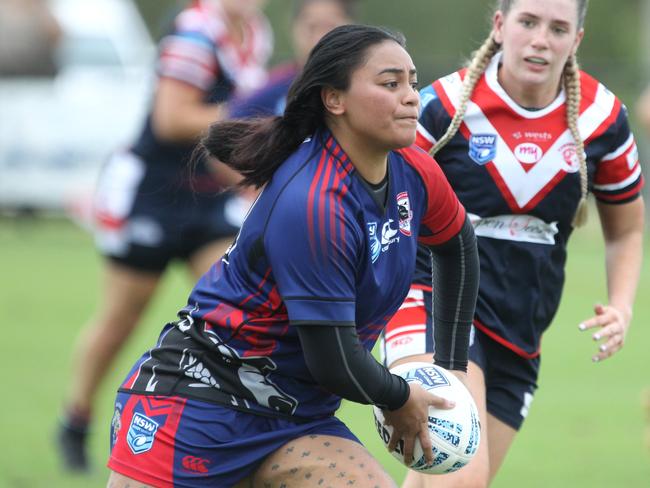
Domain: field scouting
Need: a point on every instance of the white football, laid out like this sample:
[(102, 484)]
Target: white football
[(455, 433)]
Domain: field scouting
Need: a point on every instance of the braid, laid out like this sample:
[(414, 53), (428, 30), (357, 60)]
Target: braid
[(476, 68), (572, 87)]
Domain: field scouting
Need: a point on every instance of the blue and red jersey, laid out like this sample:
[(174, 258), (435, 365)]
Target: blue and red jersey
[(517, 174), (315, 248)]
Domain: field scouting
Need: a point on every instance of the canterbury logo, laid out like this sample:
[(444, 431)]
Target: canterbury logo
[(195, 464)]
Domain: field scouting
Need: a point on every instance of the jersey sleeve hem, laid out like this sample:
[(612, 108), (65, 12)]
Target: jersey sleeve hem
[(319, 310)]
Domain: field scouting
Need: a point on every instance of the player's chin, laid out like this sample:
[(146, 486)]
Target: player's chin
[(404, 136)]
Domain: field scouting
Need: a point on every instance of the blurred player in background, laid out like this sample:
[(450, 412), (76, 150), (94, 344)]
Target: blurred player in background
[(311, 20), (523, 136), (149, 210), (243, 389)]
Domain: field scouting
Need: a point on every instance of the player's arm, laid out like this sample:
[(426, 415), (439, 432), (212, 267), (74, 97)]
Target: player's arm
[(180, 113), (455, 289), (622, 227), (338, 361)]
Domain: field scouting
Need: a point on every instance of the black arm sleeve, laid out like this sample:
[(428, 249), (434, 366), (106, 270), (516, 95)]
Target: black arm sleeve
[(455, 288), (339, 363)]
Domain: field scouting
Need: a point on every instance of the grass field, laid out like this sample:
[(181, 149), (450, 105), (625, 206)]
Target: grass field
[(585, 428)]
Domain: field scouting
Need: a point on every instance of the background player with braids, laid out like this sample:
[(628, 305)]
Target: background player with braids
[(148, 211), (279, 330), (523, 135)]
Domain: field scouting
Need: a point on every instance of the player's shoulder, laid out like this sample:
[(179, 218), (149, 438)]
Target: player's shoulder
[(420, 161), (199, 17), (448, 86), (596, 96), (317, 166)]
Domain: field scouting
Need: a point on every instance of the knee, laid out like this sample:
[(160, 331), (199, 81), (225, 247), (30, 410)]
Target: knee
[(472, 480)]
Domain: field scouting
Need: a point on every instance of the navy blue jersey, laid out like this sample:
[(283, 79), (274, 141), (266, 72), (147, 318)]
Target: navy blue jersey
[(271, 99), (200, 53), (517, 174), (315, 248)]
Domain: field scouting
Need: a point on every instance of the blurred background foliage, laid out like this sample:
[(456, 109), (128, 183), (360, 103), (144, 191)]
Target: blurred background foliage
[(442, 33)]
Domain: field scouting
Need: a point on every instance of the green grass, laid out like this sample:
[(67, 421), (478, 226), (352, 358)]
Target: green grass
[(585, 428)]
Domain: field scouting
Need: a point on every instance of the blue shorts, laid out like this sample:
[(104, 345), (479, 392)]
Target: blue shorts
[(144, 218), (510, 379), (178, 442)]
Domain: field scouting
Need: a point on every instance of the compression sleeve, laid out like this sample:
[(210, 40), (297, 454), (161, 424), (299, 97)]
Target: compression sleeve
[(455, 288), (339, 363)]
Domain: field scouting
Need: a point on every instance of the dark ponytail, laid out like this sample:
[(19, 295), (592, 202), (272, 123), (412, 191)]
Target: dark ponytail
[(256, 147)]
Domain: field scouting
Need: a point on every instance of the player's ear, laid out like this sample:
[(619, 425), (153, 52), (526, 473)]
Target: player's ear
[(497, 26), (333, 101), (576, 44)]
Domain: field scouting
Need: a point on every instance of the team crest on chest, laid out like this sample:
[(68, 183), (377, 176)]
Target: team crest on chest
[(570, 157), (405, 213), (482, 148)]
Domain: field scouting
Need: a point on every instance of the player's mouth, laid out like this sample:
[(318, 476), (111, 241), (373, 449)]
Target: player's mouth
[(409, 119), (536, 61)]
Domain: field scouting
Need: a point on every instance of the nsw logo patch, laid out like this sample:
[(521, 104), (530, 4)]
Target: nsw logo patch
[(482, 148), (141, 433)]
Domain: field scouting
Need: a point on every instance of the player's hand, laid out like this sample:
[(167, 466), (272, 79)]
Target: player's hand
[(609, 326), (411, 421)]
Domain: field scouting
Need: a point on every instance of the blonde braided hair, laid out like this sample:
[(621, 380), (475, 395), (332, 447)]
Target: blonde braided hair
[(477, 66), (571, 78)]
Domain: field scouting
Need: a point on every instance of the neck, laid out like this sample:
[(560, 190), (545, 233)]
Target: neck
[(526, 95), (371, 162)]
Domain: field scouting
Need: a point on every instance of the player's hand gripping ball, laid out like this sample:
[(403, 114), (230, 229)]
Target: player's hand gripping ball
[(455, 433)]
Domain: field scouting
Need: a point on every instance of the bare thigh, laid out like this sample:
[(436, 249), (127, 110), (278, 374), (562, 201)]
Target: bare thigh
[(117, 480), (321, 461)]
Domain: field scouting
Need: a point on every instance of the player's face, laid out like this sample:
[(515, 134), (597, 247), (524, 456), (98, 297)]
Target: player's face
[(537, 37), (380, 108), (314, 21)]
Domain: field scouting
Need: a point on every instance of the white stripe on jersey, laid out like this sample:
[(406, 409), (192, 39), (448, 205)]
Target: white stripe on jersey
[(425, 133), (597, 112), (620, 151), (621, 184), (525, 186), (183, 47)]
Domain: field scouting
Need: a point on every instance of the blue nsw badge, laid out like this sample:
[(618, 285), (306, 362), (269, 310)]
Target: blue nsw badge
[(141, 433), (482, 148)]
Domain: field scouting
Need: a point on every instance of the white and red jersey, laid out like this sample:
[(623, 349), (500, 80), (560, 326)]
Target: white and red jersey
[(201, 52), (516, 172)]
